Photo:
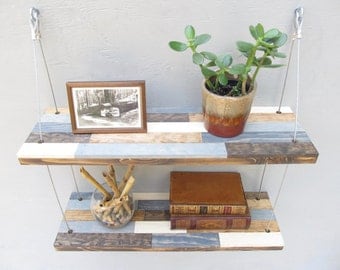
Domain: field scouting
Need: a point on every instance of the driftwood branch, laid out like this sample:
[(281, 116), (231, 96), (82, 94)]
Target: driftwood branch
[(126, 177), (93, 181), (112, 184), (114, 210)]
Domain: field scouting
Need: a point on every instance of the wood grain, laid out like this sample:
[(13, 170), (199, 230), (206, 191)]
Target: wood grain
[(102, 242), (175, 139), (155, 137), (149, 230)]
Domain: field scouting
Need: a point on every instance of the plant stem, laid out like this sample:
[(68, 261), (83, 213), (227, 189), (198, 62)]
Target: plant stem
[(258, 67), (249, 62)]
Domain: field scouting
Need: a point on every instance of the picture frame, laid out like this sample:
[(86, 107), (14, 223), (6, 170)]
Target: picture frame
[(107, 107)]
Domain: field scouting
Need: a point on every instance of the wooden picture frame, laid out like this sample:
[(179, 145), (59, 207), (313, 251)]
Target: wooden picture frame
[(107, 107)]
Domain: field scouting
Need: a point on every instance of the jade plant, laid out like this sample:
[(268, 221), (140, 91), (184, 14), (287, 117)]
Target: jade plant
[(219, 69)]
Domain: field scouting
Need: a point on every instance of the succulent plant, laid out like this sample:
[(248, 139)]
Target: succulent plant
[(218, 69)]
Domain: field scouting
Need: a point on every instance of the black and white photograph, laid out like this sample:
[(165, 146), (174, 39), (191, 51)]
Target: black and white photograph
[(107, 107)]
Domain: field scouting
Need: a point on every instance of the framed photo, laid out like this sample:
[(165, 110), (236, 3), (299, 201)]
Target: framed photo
[(107, 107)]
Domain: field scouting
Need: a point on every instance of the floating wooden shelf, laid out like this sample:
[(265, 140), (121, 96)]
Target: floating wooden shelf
[(150, 229), (172, 139), (178, 138)]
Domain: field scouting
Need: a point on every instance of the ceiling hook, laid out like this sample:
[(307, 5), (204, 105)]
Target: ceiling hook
[(34, 23), (298, 21)]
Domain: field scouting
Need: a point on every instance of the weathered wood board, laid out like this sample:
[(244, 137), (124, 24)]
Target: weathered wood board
[(150, 230), (171, 139)]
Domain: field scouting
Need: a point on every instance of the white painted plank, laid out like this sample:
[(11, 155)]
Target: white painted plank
[(151, 196), (155, 227), (175, 127), (251, 239), (47, 150), (270, 109)]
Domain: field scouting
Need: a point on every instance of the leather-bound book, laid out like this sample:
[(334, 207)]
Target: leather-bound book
[(189, 222), (207, 193)]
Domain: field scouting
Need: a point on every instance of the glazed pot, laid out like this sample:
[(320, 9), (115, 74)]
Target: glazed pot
[(225, 116)]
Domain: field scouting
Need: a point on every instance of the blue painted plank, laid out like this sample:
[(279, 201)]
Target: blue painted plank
[(262, 214), (271, 126), (94, 227), (83, 195), (54, 127), (61, 118), (152, 204), (257, 137), (158, 150), (78, 205), (185, 240)]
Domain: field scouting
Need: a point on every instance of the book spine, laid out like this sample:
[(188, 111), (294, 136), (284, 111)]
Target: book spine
[(182, 209), (210, 223)]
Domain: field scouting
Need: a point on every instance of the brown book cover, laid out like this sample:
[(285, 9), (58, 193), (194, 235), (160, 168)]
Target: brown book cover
[(207, 193), (236, 222)]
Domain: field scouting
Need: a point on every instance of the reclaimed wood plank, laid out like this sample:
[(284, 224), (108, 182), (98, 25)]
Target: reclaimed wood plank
[(185, 241), (172, 139), (156, 215), (154, 137), (103, 242), (138, 215), (155, 227), (80, 215), (151, 224), (251, 241), (48, 150), (273, 153), (151, 151), (58, 137), (265, 117), (168, 117)]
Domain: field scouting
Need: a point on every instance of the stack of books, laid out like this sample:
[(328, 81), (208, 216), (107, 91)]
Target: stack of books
[(208, 201)]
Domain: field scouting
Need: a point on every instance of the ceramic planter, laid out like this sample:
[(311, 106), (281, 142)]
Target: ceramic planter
[(225, 116)]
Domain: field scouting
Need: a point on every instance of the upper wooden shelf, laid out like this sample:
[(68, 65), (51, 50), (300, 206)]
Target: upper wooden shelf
[(178, 138)]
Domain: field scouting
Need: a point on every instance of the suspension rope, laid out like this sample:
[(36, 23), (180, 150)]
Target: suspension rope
[(258, 197), (76, 185), (277, 198), (35, 33), (298, 26), (69, 230)]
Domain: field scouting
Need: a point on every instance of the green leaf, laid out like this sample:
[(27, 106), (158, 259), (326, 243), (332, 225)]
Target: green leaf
[(259, 30), (244, 47), (207, 73), (253, 32), (273, 66), (222, 79), (198, 58), (267, 45), (278, 54), (209, 56), (211, 64), (281, 40), (265, 62), (189, 32), (178, 46), (272, 33), (238, 69), (201, 39), (223, 61)]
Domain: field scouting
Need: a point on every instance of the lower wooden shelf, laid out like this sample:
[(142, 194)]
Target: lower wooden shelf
[(150, 229)]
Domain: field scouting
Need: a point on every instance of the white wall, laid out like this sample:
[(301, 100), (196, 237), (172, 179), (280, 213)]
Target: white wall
[(121, 40)]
